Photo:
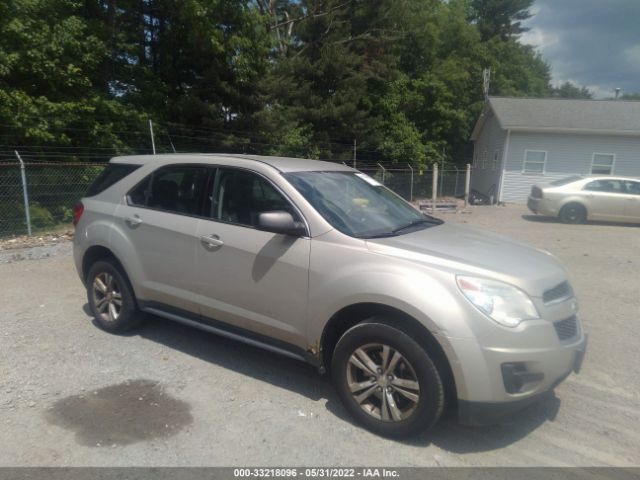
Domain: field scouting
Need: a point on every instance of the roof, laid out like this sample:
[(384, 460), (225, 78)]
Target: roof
[(283, 164), (611, 117)]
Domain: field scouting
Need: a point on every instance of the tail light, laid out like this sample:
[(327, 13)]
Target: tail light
[(78, 210), (536, 192)]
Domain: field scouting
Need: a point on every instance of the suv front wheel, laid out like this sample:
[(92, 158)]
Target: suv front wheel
[(386, 380), (111, 297)]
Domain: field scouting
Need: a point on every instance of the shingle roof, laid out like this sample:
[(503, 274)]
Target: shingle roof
[(616, 117)]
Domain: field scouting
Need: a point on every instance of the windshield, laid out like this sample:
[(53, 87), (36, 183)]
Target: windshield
[(358, 205)]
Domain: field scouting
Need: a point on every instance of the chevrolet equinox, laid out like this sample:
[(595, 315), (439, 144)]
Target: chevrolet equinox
[(319, 262)]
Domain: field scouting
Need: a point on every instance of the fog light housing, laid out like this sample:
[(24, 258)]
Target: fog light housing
[(516, 375)]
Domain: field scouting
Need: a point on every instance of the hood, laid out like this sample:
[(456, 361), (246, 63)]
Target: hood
[(467, 250)]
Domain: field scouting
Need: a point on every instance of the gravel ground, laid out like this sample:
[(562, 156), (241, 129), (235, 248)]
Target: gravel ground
[(166, 395)]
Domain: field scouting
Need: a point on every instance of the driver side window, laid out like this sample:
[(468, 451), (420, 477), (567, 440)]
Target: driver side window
[(241, 196)]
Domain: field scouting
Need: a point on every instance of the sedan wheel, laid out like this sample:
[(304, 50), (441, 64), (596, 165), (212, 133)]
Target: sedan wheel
[(573, 213)]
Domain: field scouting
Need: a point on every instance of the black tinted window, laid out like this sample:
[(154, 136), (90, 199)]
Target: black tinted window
[(241, 196), (173, 189), (113, 172)]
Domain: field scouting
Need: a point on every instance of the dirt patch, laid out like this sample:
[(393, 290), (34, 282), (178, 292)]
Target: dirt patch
[(121, 414)]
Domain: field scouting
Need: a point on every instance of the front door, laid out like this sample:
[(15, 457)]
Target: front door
[(248, 278)]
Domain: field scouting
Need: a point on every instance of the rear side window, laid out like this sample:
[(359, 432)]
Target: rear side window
[(113, 173), (173, 189)]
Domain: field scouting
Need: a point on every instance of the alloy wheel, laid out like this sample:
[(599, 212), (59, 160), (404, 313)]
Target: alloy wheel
[(107, 297), (383, 382)]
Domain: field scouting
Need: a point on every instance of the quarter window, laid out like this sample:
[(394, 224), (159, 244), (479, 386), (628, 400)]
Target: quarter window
[(173, 189), (241, 196), (602, 163), (534, 161), (631, 187)]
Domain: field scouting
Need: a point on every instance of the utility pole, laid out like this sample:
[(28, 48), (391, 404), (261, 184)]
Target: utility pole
[(486, 82)]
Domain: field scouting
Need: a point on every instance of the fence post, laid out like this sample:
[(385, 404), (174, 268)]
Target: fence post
[(467, 183), (411, 185), (455, 188), (25, 193), (153, 140), (383, 172), (434, 187)]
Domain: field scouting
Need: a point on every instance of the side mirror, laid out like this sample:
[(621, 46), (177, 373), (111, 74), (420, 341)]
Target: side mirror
[(282, 222)]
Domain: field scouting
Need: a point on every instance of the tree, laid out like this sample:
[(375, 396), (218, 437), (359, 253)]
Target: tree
[(500, 18), (570, 90)]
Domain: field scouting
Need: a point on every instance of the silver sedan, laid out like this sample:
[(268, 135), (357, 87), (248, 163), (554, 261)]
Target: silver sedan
[(577, 199)]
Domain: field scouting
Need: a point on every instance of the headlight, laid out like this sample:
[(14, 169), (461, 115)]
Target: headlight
[(504, 303)]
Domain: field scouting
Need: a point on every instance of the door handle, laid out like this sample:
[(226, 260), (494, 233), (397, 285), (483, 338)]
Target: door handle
[(211, 241), (133, 221)]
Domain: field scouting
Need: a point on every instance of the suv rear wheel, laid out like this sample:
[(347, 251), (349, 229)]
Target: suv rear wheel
[(386, 380), (111, 297)]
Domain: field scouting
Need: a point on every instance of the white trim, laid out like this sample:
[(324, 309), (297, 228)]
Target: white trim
[(593, 158), (525, 161), (505, 157)]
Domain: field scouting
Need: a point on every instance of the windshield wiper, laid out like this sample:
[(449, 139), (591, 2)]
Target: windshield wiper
[(415, 223)]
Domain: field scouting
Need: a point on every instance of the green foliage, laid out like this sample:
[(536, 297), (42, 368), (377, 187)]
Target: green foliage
[(289, 77), (41, 217), (570, 90), (500, 18)]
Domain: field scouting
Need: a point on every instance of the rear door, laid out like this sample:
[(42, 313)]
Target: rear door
[(607, 199), (160, 218), (249, 278)]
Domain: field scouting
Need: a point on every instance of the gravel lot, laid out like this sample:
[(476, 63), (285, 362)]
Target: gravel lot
[(166, 395)]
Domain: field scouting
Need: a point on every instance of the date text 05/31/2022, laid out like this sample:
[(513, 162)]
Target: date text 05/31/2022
[(316, 472)]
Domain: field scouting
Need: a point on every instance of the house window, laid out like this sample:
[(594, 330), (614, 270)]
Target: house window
[(534, 161), (494, 164), (484, 159), (602, 163)]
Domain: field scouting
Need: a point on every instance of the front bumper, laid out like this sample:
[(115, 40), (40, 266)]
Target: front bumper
[(487, 413)]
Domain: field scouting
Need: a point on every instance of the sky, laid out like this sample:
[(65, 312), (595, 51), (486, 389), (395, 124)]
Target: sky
[(593, 43)]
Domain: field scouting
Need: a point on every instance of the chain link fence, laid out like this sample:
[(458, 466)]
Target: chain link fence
[(53, 188), (52, 191)]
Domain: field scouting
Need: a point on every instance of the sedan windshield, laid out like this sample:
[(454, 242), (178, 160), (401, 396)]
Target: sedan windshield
[(358, 205)]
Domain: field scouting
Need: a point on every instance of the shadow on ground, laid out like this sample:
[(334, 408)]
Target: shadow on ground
[(541, 219), (304, 380)]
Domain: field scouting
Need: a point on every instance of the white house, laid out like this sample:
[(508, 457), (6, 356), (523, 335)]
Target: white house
[(522, 141)]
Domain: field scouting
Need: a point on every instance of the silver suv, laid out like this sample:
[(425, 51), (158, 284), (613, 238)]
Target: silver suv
[(322, 263)]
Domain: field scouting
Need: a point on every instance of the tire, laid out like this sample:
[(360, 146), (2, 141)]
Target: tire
[(111, 297), (409, 410), (573, 213)]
